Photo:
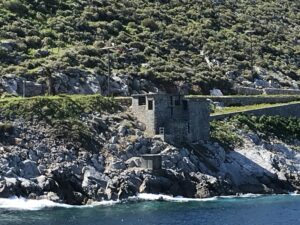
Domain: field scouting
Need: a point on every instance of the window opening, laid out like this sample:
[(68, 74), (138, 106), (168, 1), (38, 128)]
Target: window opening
[(142, 100), (150, 104), (185, 104), (171, 100), (177, 101)]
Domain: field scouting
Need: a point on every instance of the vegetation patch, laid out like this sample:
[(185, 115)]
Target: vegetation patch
[(285, 129), (205, 43), (63, 113), (228, 132), (225, 133), (6, 128), (51, 108)]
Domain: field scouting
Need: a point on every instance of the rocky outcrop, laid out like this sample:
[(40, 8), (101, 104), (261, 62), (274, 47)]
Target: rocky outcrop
[(75, 81), (38, 163)]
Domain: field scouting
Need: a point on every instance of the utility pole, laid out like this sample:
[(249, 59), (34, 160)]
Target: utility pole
[(109, 73), (109, 63), (24, 88), (250, 32)]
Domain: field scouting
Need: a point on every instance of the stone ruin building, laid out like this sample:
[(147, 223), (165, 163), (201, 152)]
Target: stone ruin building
[(177, 119)]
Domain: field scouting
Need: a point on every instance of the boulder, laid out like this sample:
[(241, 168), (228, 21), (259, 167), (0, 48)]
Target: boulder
[(216, 92), (134, 162), (116, 165), (127, 189), (155, 185), (29, 169), (9, 187), (9, 84), (93, 181), (46, 183), (28, 187)]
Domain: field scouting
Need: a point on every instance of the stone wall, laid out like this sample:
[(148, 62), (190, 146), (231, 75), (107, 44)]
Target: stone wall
[(250, 100), (278, 91), (232, 100), (144, 115), (289, 110), (198, 120), (247, 90)]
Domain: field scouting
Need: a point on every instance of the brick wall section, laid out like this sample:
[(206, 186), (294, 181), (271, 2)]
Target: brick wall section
[(289, 110)]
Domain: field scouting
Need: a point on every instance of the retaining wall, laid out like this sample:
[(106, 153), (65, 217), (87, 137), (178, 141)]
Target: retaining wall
[(232, 100), (277, 91), (289, 110), (251, 100)]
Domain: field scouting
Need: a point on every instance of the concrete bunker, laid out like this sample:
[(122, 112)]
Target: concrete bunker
[(151, 161)]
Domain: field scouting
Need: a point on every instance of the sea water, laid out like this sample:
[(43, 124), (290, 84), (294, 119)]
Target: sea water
[(150, 209)]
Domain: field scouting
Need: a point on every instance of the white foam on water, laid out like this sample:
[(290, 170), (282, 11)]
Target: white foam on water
[(249, 195), (294, 194), (161, 197), (16, 203)]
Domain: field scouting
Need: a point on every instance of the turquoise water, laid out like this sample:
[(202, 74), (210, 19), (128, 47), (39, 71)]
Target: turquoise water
[(263, 210)]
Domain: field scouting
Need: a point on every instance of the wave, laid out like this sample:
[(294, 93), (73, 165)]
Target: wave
[(160, 197), (16, 203)]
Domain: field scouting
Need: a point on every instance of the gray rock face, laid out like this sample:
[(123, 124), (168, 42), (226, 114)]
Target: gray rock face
[(33, 89), (9, 84), (134, 162), (42, 166), (29, 169), (16, 86)]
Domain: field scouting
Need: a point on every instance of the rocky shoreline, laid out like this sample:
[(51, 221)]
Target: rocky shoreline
[(43, 161)]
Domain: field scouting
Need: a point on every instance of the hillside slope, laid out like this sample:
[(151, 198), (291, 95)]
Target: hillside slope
[(204, 44)]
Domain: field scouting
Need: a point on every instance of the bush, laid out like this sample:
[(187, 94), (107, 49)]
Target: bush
[(151, 24), (15, 6), (33, 42), (6, 128), (225, 133)]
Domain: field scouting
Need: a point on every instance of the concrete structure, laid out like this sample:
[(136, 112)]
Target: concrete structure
[(151, 161), (174, 117), (288, 110), (232, 100)]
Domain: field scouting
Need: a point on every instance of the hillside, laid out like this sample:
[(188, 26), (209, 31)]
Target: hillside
[(198, 44)]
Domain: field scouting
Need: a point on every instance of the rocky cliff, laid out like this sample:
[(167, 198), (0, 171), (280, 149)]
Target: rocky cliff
[(94, 156)]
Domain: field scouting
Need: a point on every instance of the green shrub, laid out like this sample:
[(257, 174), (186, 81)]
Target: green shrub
[(33, 42), (151, 24), (6, 128), (225, 133), (15, 6)]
